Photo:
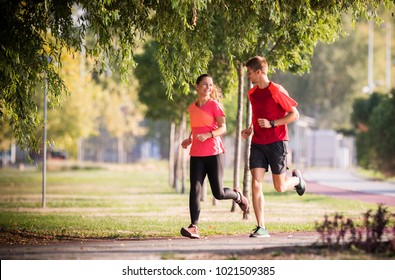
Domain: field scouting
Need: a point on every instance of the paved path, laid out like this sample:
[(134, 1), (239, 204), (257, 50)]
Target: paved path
[(154, 249), (337, 183), (344, 183)]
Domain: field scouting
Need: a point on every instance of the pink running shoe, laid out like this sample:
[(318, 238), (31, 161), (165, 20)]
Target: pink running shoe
[(243, 202), (190, 232)]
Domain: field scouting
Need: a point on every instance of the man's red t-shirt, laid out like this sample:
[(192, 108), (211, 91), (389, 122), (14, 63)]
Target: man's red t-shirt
[(271, 103)]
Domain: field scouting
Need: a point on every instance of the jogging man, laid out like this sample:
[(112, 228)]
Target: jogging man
[(272, 110)]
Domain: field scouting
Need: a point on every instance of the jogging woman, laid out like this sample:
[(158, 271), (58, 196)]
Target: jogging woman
[(207, 120)]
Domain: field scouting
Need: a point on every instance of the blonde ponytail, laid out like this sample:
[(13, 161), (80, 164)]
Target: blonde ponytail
[(216, 93)]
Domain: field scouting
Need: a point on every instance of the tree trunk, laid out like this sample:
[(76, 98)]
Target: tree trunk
[(184, 153), (120, 148), (239, 123), (171, 153), (176, 184), (247, 174), (80, 149), (180, 151)]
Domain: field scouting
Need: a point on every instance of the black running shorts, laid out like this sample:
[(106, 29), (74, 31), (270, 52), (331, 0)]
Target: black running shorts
[(273, 155)]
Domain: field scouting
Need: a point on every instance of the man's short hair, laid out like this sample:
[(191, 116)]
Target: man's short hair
[(258, 63)]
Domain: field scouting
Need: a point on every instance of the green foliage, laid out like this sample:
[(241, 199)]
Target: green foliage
[(153, 93), (327, 91), (161, 106), (374, 116), (32, 31), (363, 108), (5, 136), (25, 49), (32, 40), (183, 52), (364, 151), (382, 134)]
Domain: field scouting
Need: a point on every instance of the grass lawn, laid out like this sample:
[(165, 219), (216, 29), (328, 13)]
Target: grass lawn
[(136, 201)]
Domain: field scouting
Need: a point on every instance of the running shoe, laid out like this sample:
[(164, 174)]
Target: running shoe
[(260, 232), (243, 202), (301, 187), (190, 232)]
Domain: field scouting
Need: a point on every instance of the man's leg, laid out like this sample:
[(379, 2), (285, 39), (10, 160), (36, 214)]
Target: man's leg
[(277, 154), (257, 195), (283, 183)]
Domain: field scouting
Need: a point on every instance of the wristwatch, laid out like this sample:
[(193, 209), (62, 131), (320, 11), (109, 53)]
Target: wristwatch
[(273, 124)]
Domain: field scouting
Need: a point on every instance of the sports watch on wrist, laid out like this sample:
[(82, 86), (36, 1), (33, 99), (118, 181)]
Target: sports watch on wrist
[(272, 123)]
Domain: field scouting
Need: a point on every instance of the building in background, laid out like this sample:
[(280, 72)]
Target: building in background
[(311, 147)]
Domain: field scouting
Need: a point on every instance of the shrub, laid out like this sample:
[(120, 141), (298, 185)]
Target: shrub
[(374, 117), (375, 235)]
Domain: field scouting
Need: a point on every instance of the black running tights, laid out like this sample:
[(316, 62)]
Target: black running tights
[(212, 166)]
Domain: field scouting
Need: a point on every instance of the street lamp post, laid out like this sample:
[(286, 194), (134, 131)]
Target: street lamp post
[(44, 173), (370, 59), (388, 58)]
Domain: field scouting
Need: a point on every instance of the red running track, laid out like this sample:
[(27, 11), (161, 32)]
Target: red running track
[(313, 187)]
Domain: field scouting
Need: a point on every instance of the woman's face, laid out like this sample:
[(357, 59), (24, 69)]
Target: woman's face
[(205, 87)]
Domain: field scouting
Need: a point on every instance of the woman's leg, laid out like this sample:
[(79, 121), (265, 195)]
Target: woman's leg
[(197, 175), (214, 167)]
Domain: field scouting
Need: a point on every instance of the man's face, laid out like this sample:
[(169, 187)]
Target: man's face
[(252, 75)]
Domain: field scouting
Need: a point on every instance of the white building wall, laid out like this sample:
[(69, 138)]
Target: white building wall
[(319, 148)]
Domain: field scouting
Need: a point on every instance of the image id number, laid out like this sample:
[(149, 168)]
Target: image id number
[(245, 270)]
